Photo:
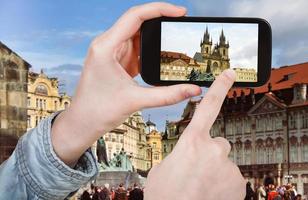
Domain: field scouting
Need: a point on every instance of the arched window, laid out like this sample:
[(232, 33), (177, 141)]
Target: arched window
[(215, 64), (65, 105)]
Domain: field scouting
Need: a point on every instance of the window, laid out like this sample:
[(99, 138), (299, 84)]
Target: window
[(279, 154), (154, 144), (247, 156), (44, 103), (293, 153), (305, 120), (238, 157), (65, 105), (36, 120), (56, 105), (165, 148), (41, 103), (292, 122), (156, 156), (29, 121), (37, 103), (29, 101), (305, 153), (171, 147)]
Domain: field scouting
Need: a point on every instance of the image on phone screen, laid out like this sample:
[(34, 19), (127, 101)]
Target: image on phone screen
[(195, 51)]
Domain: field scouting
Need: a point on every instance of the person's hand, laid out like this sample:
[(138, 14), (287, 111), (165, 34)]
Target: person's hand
[(198, 167), (107, 93)]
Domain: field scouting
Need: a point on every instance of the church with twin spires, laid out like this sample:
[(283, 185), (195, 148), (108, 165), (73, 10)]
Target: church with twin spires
[(213, 58)]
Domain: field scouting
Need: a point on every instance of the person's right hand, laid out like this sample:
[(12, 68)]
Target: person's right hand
[(198, 167)]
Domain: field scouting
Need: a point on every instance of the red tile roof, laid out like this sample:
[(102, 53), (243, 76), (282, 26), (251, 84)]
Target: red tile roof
[(281, 78), (176, 55)]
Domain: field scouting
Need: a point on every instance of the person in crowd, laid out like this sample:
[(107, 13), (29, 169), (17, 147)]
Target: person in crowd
[(96, 194), (121, 193), (298, 197), (136, 193), (272, 194), (249, 192), (85, 196), (105, 194), (261, 194), (48, 164)]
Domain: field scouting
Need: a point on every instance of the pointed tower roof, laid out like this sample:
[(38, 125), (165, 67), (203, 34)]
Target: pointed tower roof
[(206, 36), (222, 38)]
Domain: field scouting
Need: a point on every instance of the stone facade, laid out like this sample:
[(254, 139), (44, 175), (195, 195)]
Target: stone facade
[(131, 136), (43, 98), (267, 128), (13, 100), (154, 138)]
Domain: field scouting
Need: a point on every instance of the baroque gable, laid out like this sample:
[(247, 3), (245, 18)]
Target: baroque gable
[(178, 62), (267, 104)]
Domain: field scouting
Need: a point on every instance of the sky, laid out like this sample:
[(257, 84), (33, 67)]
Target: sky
[(55, 35), (242, 39)]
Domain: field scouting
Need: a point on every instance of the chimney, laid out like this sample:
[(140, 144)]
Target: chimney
[(235, 97), (299, 93), (243, 98), (269, 86), (252, 96)]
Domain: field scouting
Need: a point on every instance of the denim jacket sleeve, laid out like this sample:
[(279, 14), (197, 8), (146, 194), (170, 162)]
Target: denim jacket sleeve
[(35, 172)]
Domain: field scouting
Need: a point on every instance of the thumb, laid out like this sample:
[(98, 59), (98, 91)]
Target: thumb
[(166, 95)]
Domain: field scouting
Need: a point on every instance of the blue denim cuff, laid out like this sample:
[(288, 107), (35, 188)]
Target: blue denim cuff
[(44, 172)]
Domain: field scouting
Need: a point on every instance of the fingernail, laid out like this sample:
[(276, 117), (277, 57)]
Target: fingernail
[(181, 7), (230, 73)]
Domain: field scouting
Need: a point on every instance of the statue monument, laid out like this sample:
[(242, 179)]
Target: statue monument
[(117, 170)]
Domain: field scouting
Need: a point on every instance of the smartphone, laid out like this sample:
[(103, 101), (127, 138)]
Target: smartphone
[(197, 49)]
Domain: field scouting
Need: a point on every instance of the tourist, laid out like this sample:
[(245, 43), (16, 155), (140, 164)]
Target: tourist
[(121, 193), (96, 194), (249, 192), (85, 196), (272, 194), (261, 194), (105, 193), (298, 197), (48, 164), (136, 193)]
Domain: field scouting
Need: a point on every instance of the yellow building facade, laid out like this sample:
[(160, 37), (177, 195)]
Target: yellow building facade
[(245, 75), (43, 98), (154, 141)]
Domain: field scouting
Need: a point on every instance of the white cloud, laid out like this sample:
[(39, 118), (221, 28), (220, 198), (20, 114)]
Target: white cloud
[(288, 19)]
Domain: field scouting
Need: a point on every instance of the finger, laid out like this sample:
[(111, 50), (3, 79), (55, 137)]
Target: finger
[(166, 95), (208, 109), (131, 21)]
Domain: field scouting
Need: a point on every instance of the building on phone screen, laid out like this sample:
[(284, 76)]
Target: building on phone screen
[(205, 65), (267, 128)]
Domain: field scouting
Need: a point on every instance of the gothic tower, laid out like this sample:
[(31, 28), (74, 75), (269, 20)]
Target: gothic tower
[(223, 48), (206, 44)]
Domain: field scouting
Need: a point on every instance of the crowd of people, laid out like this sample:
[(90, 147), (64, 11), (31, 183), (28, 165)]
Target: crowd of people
[(119, 193), (272, 192)]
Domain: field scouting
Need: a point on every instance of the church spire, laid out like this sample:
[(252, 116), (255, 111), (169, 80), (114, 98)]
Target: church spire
[(222, 38), (206, 36)]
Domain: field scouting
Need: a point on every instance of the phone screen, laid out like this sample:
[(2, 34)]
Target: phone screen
[(194, 51)]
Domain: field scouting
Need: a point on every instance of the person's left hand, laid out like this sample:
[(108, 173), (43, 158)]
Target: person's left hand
[(107, 93)]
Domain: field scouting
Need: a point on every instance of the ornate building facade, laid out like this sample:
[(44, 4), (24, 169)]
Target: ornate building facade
[(154, 139), (267, 128), (130, 136), (176, 66), (43, 98), (13, 100)]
